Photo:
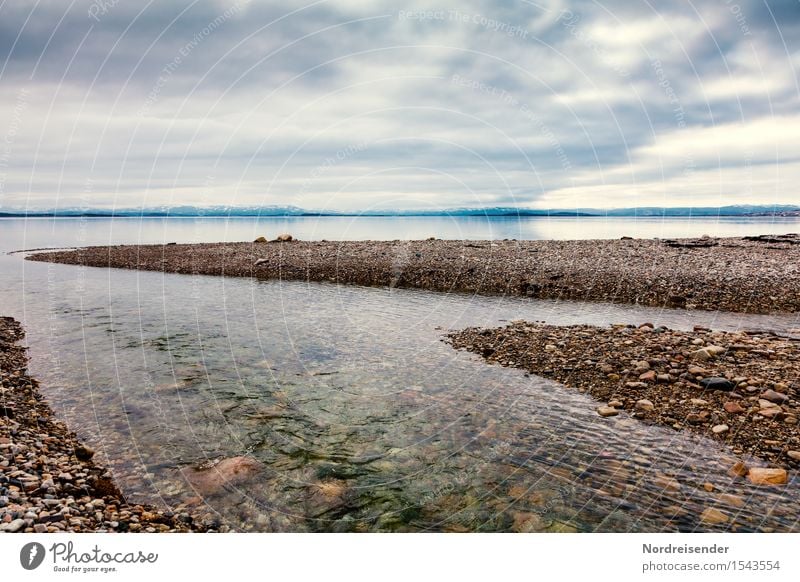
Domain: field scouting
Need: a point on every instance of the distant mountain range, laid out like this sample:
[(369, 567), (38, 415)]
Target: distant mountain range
[(233, 211)]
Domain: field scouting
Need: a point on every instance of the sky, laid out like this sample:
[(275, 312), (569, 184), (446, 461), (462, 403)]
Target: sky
[(353, 105)]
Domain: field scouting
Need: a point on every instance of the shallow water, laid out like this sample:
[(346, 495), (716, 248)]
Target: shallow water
[(353, 389)]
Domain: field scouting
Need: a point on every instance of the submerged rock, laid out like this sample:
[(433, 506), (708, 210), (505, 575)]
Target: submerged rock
[(713, 516), (738, 469), (227, 472), (328, 496), (766, 476), (733, 500)]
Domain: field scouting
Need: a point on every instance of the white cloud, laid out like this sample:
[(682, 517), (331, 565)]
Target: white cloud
[(563, 114)]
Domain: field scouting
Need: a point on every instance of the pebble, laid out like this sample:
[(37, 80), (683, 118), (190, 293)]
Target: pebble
[(717, 383), (771, 412), (701, 355), (773, 396), (720, 428), (733, 407), (644, 404), (13, 526), (635, 385), (83, 453), (694, 418), (607, 411)]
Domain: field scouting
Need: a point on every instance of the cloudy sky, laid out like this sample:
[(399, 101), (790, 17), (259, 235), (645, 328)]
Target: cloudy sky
[(352, 105)]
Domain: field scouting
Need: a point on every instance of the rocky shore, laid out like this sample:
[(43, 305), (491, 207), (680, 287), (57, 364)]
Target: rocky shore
[(740, 388), (752, 274), (48, 481)]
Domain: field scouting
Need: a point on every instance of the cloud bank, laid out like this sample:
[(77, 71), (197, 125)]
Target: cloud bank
[(350, 106)]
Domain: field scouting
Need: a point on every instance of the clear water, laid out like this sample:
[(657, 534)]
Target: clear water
[(363, 418)]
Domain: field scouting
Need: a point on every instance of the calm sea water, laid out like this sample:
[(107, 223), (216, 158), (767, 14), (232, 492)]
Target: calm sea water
[(364, 419), (31, 233)]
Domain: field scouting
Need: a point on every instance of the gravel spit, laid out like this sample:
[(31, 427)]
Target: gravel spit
[(749, 275)]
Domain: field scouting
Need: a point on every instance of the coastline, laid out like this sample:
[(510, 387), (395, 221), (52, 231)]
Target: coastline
[(747, 275), (49, 482), (759, 411), (738, 388)]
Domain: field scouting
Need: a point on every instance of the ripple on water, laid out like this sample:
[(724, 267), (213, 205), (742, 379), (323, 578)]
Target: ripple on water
[(362, 418)]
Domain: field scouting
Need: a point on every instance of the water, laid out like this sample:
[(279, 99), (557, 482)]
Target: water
[(31, 233), (363, 418)]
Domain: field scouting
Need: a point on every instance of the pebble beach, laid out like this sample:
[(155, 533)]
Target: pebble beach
[(758, 274), (49, 482), (738, 388)]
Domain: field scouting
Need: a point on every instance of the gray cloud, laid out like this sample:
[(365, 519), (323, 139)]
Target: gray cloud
[(338, 105)]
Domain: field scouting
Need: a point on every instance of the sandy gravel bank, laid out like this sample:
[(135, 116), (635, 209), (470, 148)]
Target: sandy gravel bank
[(752, 274)]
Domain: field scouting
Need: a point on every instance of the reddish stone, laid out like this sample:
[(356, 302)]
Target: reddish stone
[(733, 407)]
